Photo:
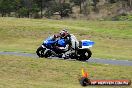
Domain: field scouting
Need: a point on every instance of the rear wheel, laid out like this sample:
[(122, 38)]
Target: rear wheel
[(85, 54), (40, 51)]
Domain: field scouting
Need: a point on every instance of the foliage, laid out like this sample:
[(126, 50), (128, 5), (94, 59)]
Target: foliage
[(23, 12), (127, 17), (62, 9), (29, 8), (6, 6), (76, 2)]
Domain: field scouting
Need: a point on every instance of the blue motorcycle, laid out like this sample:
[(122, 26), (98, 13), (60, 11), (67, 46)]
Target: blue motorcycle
[(79, 50)]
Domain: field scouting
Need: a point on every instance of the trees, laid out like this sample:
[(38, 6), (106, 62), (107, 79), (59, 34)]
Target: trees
[(64, 9), (6, 6), (42, 4), (129, 3), (95, 2), (58, 8), (84, 4), (25, 8), (78, 3), (40, 8)]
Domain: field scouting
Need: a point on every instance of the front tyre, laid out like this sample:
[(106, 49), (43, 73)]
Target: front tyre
[(85, 54), (40, 51)]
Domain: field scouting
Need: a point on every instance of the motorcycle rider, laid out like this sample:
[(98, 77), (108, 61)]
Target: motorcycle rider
[(64, 34)]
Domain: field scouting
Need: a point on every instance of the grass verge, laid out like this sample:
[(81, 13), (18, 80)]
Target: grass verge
[(113, 39), (23, 72)]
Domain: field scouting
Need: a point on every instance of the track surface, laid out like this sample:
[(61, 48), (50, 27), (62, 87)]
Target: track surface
[(93, 60)]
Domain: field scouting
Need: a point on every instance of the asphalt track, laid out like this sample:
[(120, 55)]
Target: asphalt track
[(91, 60)]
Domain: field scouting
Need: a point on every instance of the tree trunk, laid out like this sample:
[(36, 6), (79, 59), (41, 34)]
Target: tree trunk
[(80, 8), (85, 6), (28, 14), (41, 11), (2, 14), (130, 3)]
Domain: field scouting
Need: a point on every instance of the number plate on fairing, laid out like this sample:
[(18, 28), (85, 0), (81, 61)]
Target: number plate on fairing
[(86, 44)]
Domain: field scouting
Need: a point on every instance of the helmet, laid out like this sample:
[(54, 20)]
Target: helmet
[(63, 33)]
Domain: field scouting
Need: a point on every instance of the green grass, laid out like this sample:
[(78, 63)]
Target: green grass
[(113, 39), (23, 72)]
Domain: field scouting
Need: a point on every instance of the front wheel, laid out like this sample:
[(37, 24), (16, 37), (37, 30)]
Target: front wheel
[(40, 51), (85, 54)]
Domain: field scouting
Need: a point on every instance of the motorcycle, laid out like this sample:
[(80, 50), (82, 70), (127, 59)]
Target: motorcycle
[(79, 50)]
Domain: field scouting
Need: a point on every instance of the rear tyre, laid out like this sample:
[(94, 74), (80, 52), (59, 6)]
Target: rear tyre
[(40, 51), (85, 54)]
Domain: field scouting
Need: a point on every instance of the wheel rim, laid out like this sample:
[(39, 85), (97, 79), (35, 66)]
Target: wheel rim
[(86, 54), (41, 53)]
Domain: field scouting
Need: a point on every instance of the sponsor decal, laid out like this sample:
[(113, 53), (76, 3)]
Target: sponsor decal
[(86, 81)]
